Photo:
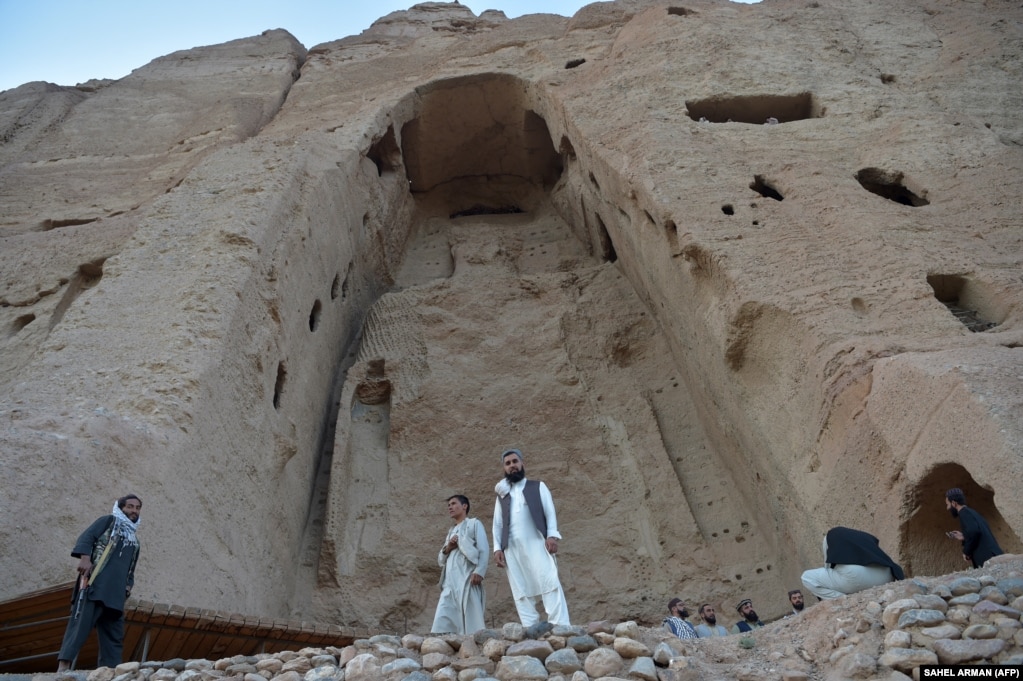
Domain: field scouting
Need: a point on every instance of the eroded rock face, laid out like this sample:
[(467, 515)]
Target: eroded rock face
[(724, 294)]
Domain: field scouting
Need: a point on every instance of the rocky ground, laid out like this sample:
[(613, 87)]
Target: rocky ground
[(968, 618)]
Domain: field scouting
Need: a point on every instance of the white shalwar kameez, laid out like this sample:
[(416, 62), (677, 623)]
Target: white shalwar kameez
[(834, 582), (461, 604), (532, 570)]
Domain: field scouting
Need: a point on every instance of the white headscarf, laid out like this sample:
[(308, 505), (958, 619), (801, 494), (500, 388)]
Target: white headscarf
[(124, 527), (502, 487)]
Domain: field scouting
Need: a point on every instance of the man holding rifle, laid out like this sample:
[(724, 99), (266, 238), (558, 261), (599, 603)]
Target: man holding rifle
[(107, 553)]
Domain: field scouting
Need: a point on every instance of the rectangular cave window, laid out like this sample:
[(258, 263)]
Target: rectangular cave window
[(754, 109), (969, 301)]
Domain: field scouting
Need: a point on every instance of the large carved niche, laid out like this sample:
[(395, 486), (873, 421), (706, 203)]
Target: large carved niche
[(476, 143)]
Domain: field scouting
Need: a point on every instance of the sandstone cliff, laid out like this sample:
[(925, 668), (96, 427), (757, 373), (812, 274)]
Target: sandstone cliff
[(729, 275)]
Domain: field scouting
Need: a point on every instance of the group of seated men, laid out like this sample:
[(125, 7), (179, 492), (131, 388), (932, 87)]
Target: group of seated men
[(853, 561), (678, 623)]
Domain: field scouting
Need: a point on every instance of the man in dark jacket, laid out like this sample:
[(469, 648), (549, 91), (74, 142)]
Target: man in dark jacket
[(853, 561), (978, 543), (750, 620), (107, 553)]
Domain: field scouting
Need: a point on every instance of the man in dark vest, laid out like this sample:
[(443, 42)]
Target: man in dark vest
[(978, 543), (107, 553), (526, 541), (853, 561), (750, 620)]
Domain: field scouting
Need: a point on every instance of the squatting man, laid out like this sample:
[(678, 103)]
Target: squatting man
[(853, 561), (526, 536)]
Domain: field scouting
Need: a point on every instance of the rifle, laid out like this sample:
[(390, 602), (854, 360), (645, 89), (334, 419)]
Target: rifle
[(82, 585)]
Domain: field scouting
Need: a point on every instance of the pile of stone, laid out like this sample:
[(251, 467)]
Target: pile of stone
[(601, 650), (884, 633), (888, 632), (968, 621)]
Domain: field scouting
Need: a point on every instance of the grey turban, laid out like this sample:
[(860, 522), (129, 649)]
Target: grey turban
[(516, 452)]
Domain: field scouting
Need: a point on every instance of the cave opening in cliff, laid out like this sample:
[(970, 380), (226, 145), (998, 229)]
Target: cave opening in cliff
[(282, 374), (764, 188), (88, 276), (671, 229), (375, 389), (476, 146), (969, 301), (479, 209), (890, 185), (567, 150), (925, 547), (755, 109), (384, 153), (314, 315), (21, 322), (606, 248)]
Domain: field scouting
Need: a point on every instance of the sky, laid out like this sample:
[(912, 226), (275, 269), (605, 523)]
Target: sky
[(71, 41)]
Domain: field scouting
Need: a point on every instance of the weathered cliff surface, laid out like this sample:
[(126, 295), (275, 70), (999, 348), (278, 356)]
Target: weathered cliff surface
[(729, 275)]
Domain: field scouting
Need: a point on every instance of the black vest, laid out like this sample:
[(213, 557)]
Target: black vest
[(531, 492)]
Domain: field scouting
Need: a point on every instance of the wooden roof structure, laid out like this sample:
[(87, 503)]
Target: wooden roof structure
[(32, 628)]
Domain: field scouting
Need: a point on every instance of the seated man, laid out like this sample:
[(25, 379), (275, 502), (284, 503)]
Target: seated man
[(677, 623), (796, 601), (710, 626), (750, 620), (853, 561)]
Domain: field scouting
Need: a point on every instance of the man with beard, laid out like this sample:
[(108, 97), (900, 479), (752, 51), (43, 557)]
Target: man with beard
[(750, 620), (710, 626), (796, 601), (463, 560), (853, 561), (107, 553), (526, 540), (979, 544), (678, 623)]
